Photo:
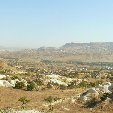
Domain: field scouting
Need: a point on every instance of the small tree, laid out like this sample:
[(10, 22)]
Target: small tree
[(24, 101), (50, 99)]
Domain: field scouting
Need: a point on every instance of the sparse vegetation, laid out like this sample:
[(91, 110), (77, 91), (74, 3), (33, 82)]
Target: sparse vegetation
[(31, 86), (67, 79), (19, 85), (92, 103), (50, 100), (24, 101), (104, 96)]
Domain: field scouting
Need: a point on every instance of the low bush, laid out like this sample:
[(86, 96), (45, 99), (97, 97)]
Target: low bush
[(49, 85), (51, 99), (19, 85), (71, 85), (31, 86), (24, 101), (39, 82), (91, 103), (63, 87), (104, 97), (83, 84), (14, 77)]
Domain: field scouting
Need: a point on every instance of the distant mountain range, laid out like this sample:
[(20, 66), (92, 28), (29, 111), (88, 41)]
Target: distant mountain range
[(95, 47), (90, 47), (104, 46), (107, 45), (86, 52)]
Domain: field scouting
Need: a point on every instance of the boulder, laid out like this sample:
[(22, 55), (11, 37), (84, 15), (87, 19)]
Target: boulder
[(4, 83)]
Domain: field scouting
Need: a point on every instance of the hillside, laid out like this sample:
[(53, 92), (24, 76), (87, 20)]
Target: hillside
[(82, 52), (90, 47)]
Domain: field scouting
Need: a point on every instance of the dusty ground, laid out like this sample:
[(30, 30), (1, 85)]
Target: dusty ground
[(9, 98)]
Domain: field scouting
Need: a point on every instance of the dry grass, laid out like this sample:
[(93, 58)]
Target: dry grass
[(9, 99)]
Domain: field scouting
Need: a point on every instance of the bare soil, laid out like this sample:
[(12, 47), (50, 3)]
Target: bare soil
[(9, 99)]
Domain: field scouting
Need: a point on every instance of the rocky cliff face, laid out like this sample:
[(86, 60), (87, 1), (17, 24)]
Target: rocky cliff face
[(90, 47)]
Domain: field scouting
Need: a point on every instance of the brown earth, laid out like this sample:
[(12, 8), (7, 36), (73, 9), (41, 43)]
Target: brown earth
[(9, 99)]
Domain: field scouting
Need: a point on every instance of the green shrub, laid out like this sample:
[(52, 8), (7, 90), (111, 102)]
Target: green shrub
[(83, 84), (72, 85), (91, 103), (104, 97), (63, 87), (49, 85), (19, 85), (91, 84), (39, 82), (51, 99), (88, 84), (7, 110), (30, 86), (14, 77), (2, 72)]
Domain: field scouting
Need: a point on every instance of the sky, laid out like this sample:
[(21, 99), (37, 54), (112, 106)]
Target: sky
[(36, 23)]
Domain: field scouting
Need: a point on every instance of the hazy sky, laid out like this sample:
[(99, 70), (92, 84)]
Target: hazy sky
[(35, 23)]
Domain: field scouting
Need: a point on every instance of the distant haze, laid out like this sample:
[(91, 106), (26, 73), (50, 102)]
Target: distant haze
[(36, 23)]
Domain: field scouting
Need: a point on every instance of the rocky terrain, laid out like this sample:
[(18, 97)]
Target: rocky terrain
[(75, 78)]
